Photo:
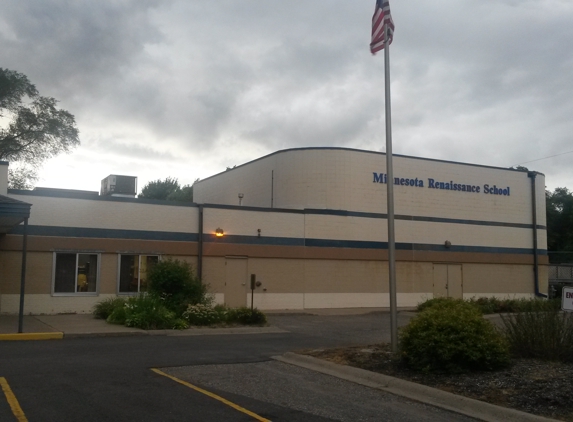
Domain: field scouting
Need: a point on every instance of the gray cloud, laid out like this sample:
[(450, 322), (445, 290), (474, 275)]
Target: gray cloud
[(219, 82)]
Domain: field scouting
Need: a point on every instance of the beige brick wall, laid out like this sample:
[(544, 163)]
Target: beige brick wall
[(370, 229), (68, 212), (108, 275), (37, 304), (497, 278), (253, 181), (345, 276), (238, 222), (331, 179), (38, 272), (342, 179), (279, 275), (214, 273)]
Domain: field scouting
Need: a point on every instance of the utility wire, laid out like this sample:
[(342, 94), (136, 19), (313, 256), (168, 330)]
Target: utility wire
[(544, 158)]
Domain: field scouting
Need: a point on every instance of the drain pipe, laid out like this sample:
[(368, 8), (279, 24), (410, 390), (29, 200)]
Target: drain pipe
[(200, 245), (532, 175)]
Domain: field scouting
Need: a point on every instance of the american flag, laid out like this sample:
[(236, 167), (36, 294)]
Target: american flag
[(381, 16)]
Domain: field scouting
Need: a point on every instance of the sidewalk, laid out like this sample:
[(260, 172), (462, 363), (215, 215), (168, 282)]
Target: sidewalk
[(40, 327), (43, 326), (48, 327)]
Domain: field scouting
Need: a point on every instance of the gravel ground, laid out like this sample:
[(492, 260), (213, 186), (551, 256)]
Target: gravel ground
[(533, 386), (311, 392)]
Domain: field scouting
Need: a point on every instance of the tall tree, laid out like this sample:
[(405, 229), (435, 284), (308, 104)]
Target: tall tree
[(559, 205), (167, 190), (35, 129)]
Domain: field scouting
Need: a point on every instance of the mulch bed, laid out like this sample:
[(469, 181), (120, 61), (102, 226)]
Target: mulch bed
[(534, 386)]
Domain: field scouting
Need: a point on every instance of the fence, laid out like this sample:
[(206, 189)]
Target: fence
[(559, 276)]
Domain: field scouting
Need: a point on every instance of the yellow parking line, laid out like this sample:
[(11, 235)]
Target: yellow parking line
[(12, 401), (212, 395)]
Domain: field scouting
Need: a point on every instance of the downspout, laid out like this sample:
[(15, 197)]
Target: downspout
[(200, 245), (23, 277), (532, 175)]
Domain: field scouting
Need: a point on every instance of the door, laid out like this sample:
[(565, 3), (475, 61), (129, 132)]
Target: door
[(448, 281), (236, 281)]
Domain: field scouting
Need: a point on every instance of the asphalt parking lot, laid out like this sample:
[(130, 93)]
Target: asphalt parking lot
[(112, 378)]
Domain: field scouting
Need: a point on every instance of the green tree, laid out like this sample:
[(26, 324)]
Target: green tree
[(559, 204), (35, 129), (167, 190)]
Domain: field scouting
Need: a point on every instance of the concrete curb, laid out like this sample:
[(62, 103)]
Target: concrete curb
[(136, 333), (31, 336), (421, 393)]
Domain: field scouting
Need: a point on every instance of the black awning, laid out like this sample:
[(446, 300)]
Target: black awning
[(12, 213)]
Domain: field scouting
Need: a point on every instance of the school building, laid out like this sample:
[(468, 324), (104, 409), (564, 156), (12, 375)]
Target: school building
[(309, 223)]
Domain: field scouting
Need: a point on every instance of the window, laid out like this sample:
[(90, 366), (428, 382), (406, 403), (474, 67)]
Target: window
[(133, 272), (75, 273)]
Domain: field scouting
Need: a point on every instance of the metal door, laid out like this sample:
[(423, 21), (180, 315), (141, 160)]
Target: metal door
[(236, 281), (448, 281)]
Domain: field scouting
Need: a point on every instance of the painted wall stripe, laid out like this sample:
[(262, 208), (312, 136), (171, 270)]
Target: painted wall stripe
[(422, 218), (12, 401), (344, 213), (212, 395), (88, 232)]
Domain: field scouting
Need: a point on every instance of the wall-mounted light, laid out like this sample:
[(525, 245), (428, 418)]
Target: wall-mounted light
[(241, 196), (448, 244), (258, 232), (219, 232)]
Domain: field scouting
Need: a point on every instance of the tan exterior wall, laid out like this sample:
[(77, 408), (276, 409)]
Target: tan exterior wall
[(38, 272), (104, 214), (286, 283), (247, 223), (341, 179), (318, 257)]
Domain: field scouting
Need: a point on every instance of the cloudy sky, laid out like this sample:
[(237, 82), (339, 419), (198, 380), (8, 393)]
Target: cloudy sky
[(185, 88)]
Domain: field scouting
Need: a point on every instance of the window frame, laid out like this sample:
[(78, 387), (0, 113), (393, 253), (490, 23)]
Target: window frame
[(138, 255), (75, 293)]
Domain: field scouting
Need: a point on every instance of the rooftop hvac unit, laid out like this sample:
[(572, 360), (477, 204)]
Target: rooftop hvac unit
[(114, 185)]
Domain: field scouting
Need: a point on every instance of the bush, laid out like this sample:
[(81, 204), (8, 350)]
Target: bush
[(146, 312), (175, 282), (542, 331), (103, 309), (245, 316), (438, 301), (117, 316), (452, 336), (490, 305), (204, 315)]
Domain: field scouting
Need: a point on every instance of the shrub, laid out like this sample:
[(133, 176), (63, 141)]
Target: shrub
[(146, 312), (175, 282), (490, 305), (117, 316), (103, 309), (203, 315), (245, 316), (438, 301), (541, 331), (452, 336)]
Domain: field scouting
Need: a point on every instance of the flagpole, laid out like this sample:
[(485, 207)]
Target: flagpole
[(390, 198)]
